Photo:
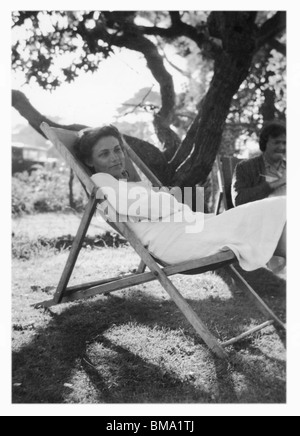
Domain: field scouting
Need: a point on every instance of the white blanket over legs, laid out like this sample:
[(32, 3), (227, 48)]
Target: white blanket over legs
[(251, 231)]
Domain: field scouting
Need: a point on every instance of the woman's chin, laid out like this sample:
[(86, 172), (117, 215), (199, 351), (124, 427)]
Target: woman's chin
[(118, 174)]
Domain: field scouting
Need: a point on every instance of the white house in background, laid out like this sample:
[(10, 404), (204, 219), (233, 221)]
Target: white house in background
[(27, 157)]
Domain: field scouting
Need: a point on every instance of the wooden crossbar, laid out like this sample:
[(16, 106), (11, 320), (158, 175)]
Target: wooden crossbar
[(221, 181), (247, 334), (91, 289)]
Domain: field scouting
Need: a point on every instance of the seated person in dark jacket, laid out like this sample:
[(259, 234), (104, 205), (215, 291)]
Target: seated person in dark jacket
[(264, 175)]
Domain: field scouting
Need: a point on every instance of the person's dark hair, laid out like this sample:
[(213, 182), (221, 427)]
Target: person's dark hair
[(89, 137), (272, 129)]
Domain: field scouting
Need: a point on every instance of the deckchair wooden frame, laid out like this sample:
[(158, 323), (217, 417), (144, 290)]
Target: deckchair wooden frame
[(225, 165), (221, 195), (158, 270)]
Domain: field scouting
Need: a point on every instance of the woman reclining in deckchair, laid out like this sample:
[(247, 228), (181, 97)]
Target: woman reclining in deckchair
[(254, 231)]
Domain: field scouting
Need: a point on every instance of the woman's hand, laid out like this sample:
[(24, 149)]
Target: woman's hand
[(100, 195), (278, 183)]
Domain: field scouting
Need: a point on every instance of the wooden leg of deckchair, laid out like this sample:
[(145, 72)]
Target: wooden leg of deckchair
[(75, 249), (218, 205), (191, 316), (182, 304), (141, 269), (262, 306)]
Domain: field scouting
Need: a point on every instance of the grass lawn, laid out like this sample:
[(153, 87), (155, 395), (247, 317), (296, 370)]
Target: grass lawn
[(134, 346)]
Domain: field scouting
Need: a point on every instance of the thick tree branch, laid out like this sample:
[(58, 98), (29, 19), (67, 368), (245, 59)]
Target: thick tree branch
[(200, 37), (147, 151), (271, 28), (187, 144), (175, 31), (165, 115), (237, 30), (278, 46), (135, 41), (21, 103), (130, 37), (165, 57), (175, 17)]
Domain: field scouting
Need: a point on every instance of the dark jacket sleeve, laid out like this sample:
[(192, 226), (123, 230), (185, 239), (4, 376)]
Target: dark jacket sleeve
[(247, 184)]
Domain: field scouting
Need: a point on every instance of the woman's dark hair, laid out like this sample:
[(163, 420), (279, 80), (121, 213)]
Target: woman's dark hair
[(272, 129), (89, 137)]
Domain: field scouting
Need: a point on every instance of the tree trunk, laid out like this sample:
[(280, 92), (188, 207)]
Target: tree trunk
[(232, 64), (225, 83)]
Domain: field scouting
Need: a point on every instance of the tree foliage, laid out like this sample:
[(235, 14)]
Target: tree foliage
[(235, 67)]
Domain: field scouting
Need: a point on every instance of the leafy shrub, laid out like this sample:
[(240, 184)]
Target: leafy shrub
[(22, 196), (45, 190), (25, 248)]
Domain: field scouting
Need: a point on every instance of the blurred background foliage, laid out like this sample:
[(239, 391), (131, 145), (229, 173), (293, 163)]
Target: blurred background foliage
[(45, 190)]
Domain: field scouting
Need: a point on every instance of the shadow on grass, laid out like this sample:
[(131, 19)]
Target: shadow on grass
[(117, 374)]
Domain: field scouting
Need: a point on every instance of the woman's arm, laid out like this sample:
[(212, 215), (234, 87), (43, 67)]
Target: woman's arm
[(135, 199)]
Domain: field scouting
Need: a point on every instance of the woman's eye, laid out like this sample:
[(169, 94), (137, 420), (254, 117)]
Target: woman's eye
[(118, 150)]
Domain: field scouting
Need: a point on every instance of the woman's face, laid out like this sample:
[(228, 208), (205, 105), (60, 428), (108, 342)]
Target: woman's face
[(108, 157)]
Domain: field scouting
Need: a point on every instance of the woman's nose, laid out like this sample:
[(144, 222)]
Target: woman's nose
[(115, 158)]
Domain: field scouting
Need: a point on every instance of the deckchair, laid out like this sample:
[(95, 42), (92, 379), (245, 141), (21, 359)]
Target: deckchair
[(64, 141)]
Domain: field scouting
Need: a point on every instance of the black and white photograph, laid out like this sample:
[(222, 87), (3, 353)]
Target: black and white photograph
[(149, 209)]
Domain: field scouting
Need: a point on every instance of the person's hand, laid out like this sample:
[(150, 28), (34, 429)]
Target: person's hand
[(164, 189), (100, 195), (278, 183)]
